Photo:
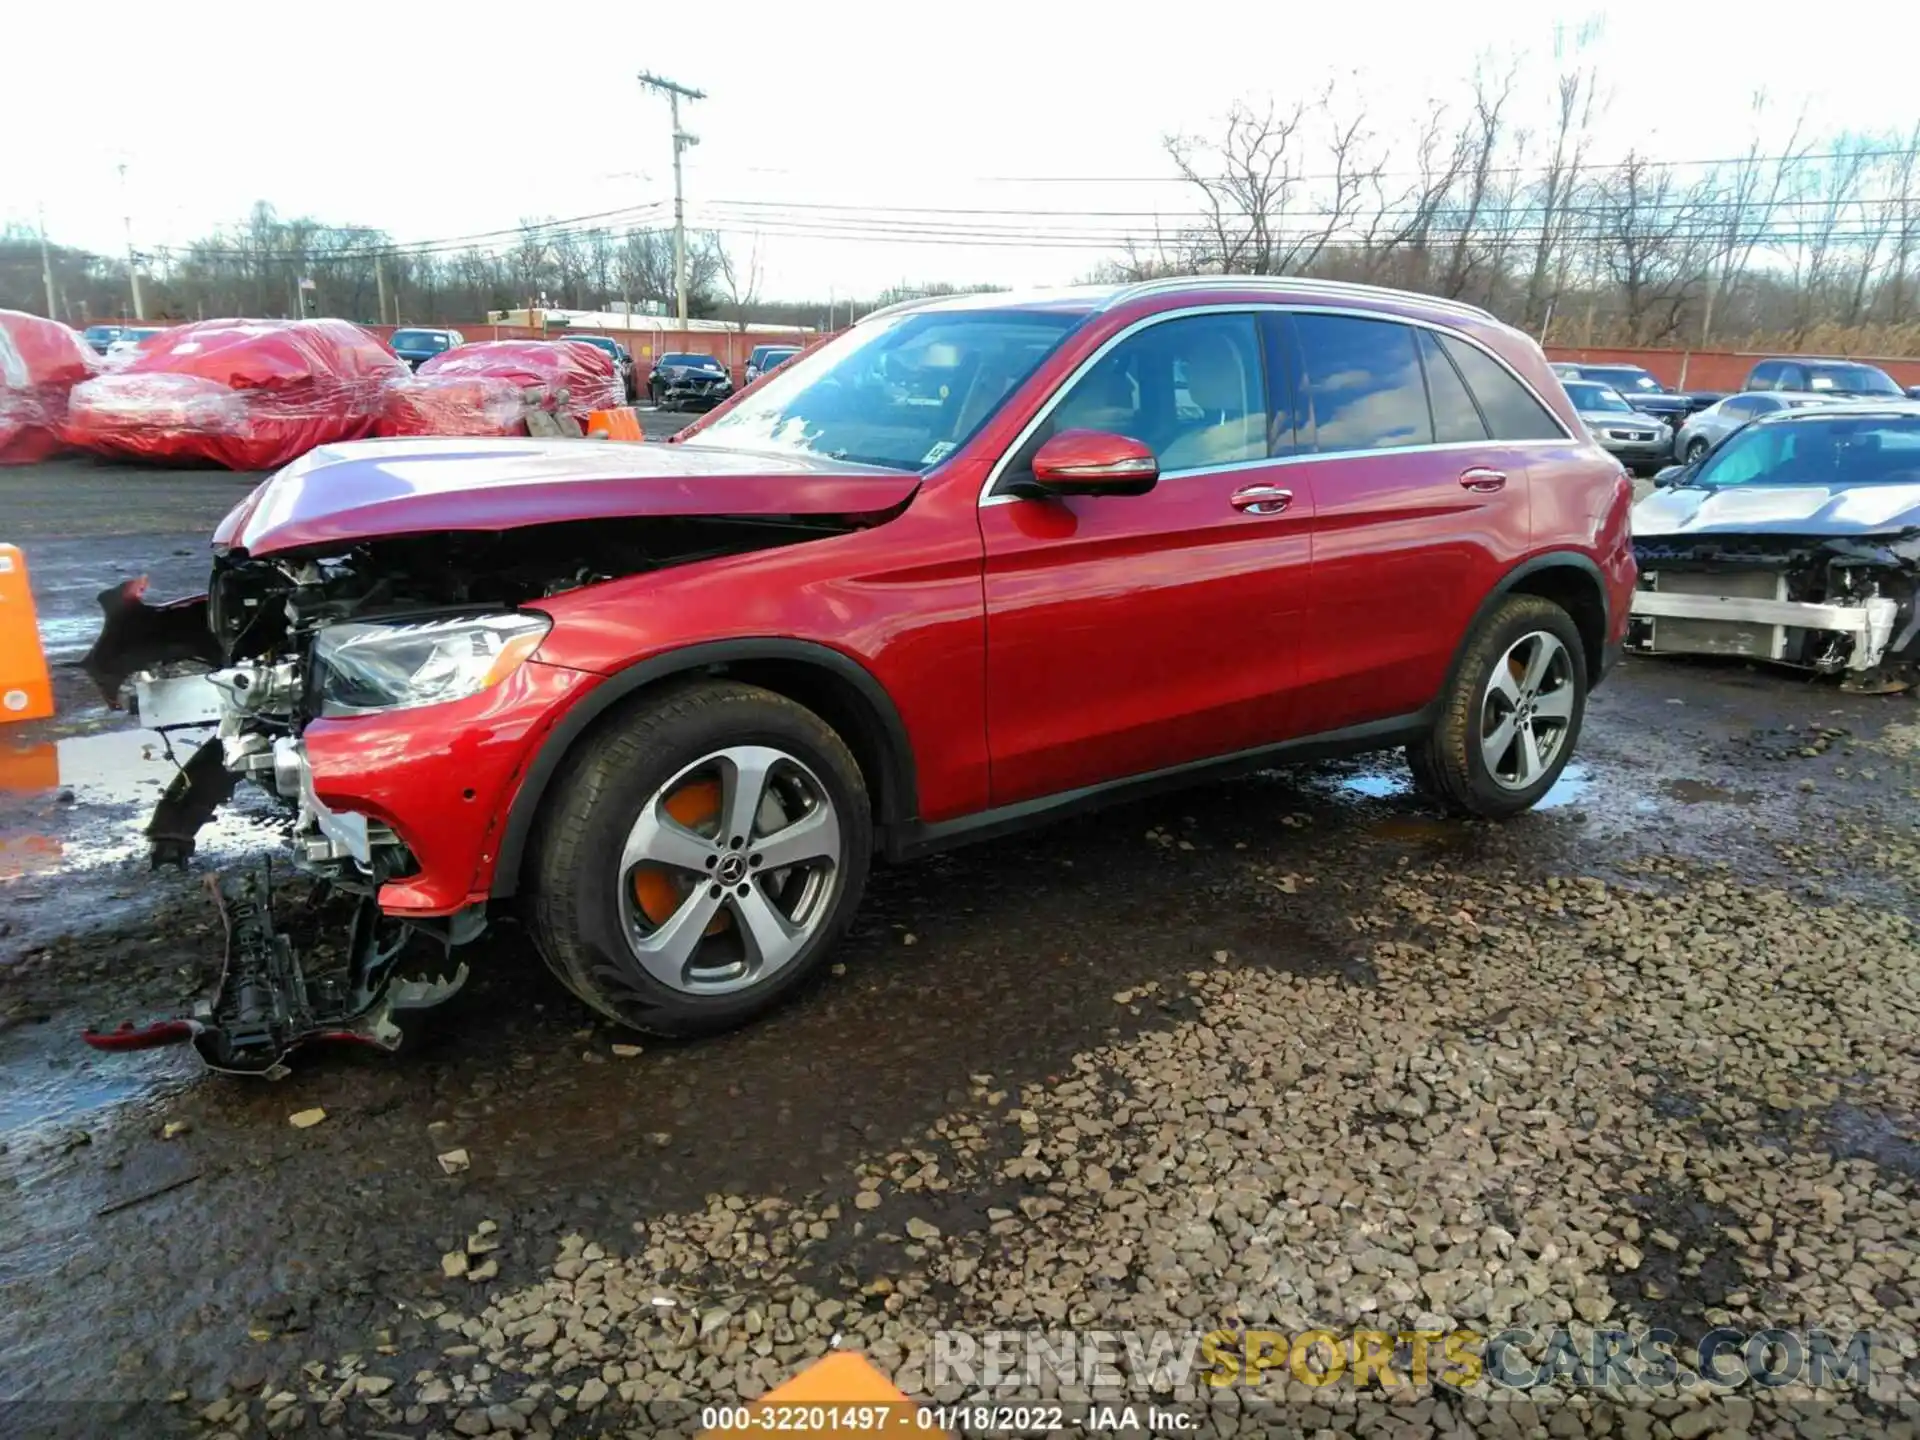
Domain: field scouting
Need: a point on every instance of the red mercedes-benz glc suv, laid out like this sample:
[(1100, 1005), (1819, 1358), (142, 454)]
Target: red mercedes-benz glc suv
[(973, 563)]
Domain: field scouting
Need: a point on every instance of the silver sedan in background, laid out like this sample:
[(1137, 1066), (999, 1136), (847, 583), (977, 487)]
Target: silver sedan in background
[(1702, 433), (1638, 441)]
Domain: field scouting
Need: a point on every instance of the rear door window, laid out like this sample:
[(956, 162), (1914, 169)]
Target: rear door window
[(1510, 408), (1362, 384)]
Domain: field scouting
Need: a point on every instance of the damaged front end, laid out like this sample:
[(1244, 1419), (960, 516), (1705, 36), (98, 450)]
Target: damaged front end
[(1833, 604), (378, 627)]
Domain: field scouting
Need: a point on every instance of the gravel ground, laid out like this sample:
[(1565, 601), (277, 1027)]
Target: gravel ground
[(1288, 1053)]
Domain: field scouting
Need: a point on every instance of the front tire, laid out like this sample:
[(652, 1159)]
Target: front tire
[(701, 858), (1510, 715)]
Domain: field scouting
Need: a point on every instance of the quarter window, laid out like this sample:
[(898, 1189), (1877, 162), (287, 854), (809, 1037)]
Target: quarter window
[(1363, 384), (1455, 416), (1511, 411)]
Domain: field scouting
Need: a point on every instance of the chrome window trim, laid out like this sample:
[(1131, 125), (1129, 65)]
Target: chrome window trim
[(1256, 308), (1295, 284)]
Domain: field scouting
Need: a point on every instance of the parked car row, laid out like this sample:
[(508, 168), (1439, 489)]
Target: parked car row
[(1647, 426)]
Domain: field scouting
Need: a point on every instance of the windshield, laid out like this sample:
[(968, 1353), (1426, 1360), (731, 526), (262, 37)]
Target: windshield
[(1859, 379), (419, 340), (1588, 396), (692, 361), (1820, 450), (599, 342), (905, 391), (1624, 378)]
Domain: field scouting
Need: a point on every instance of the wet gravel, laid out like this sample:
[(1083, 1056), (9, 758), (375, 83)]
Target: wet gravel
[(1290, 1052)]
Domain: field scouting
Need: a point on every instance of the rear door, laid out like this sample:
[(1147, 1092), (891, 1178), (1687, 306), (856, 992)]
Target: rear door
[(1127, 634), (1419, 509)]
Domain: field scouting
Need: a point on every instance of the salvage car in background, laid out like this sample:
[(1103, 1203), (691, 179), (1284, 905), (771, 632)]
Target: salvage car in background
[(417, 346), (621, 356), (1706, 430), (1797, 541), (99, 337), (1825, 377), (1638, 441), (680, 380)]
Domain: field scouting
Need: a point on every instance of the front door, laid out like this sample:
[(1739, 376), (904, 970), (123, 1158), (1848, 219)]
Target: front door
[(1127, 634)]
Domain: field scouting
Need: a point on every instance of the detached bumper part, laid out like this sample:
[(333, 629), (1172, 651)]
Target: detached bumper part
[(268, 1003)]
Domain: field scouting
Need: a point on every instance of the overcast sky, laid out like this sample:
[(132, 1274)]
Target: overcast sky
[(435, 120)]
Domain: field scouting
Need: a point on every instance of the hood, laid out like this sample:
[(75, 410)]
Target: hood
[(1778, 509), (363, 490), (1600, 419)]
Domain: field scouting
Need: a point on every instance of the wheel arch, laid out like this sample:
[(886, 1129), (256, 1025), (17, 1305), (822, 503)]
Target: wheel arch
[(1570, 580), (832, 684)]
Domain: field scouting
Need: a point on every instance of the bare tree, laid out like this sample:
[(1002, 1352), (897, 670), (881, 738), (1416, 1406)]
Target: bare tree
[(1831, 196), (1573, 123), (1903, 222), (741, 279), (1646, 235), (1484, 148), (1747, 207), (1244, 183)]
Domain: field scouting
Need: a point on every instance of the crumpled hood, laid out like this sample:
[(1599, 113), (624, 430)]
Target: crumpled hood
[(367, 489), (1778, 509)]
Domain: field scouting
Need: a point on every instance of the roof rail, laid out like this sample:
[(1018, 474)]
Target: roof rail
[(1304, 283), (899, 305)]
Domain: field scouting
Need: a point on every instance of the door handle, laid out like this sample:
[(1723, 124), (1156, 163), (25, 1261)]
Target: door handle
[(1482, 479), (1262, 499)]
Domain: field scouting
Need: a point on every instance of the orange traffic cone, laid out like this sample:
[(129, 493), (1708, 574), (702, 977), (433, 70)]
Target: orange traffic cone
[(620, 424), (26, 690)]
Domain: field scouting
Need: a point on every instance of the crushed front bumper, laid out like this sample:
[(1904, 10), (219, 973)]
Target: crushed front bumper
[(1701, 621)]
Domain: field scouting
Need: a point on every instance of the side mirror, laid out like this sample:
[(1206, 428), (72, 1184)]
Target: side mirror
[(1669, 476), (1093, 462)]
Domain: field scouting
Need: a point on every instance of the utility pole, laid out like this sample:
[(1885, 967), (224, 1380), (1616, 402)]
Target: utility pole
[(133, 265), (380, 279), (46, 267), (681, 140)]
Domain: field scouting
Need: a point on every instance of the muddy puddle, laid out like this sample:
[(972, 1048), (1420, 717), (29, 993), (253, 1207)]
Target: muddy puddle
[(80, 803), (1573, 784)]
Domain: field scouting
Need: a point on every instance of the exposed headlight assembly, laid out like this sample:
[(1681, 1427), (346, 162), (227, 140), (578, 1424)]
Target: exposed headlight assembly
[(367, 667)]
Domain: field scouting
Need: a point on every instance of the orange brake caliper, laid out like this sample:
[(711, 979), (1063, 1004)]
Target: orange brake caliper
[(659, 891)]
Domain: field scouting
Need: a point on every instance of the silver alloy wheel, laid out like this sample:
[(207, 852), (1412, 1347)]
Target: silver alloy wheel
[(1527, 709), (751, 884)]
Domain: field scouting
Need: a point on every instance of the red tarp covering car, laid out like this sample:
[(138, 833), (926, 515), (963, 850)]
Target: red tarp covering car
[(247, 394), (488, 388), (40, 363)]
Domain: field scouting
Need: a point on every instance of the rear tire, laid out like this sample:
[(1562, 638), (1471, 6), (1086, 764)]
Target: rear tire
[(1696, 451), (657, 895), (1509, 717)]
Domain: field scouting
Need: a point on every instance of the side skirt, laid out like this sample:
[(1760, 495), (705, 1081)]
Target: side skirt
[(915, 838)]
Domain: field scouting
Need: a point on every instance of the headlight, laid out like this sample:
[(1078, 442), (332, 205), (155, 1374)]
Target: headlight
[(364, 668)]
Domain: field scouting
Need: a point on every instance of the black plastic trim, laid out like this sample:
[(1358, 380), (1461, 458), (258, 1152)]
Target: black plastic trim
[(918, 838), (901, 800)]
